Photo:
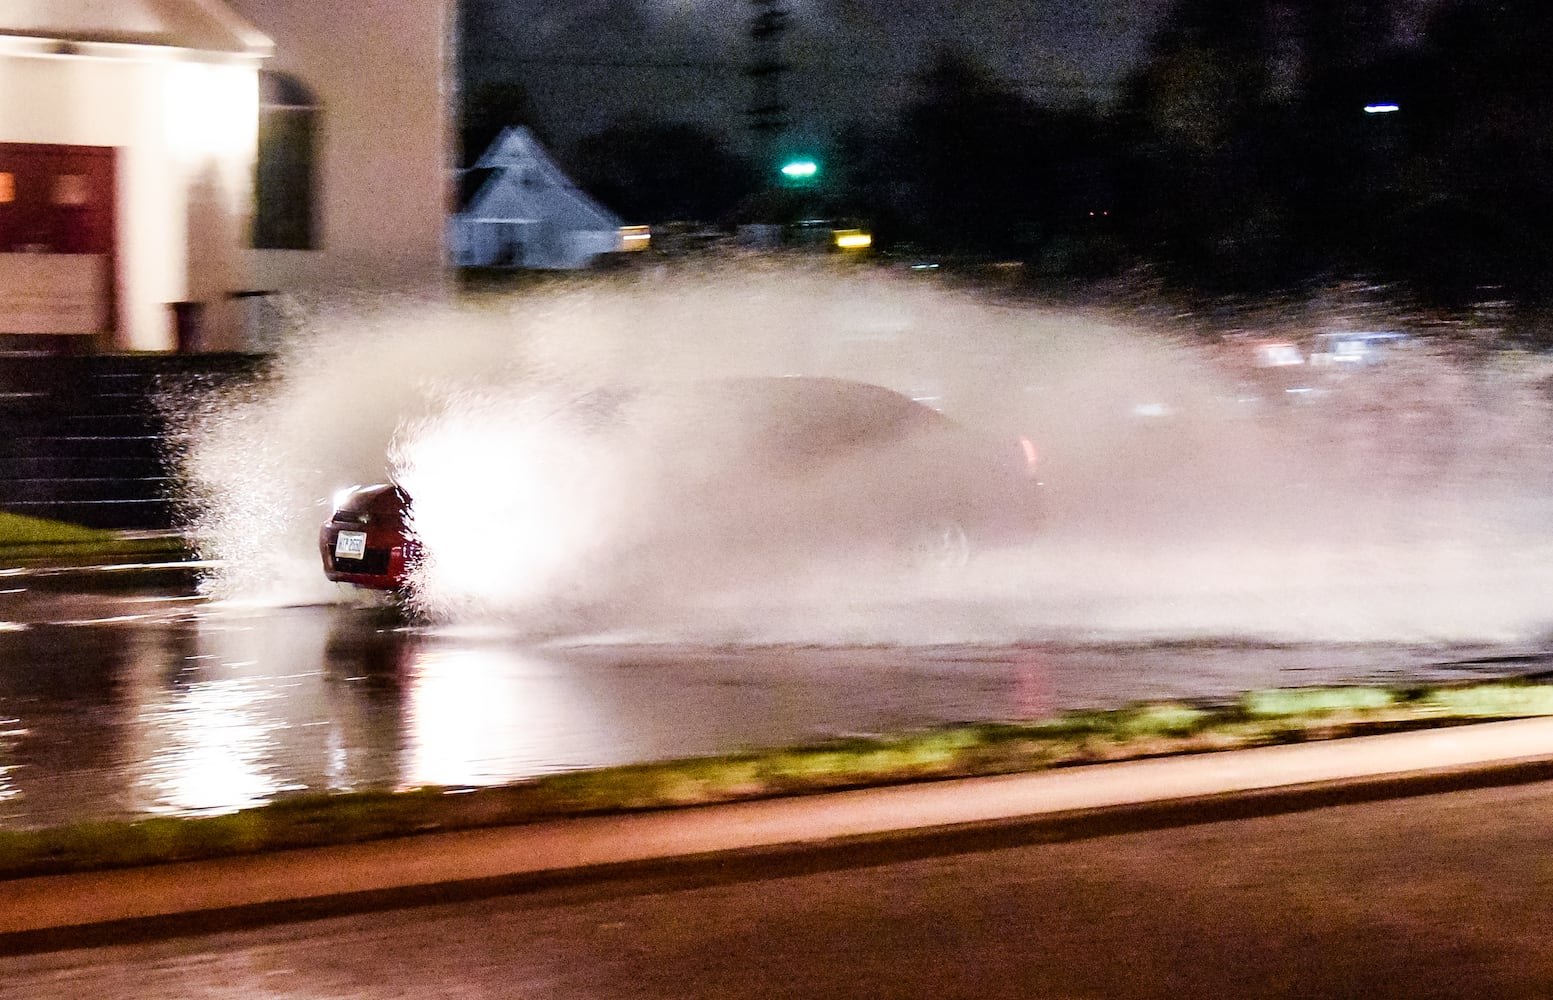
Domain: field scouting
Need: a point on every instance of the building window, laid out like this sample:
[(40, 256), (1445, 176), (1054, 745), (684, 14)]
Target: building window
[(70, 190), (7, 188), (285, 184)]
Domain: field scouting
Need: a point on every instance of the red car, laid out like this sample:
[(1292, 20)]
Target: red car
[(763, 472), (366, 540)]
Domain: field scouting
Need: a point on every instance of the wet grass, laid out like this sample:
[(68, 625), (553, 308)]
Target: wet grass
[(1294, 702), (18, 529), (26, 541), (1259, 718)]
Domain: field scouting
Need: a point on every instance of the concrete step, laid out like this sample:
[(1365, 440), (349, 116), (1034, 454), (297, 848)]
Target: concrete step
[(82, 439), (63, 467), (68, 490), (118, 513)]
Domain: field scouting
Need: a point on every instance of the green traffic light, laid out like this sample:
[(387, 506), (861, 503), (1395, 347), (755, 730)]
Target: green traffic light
[(799, 170)]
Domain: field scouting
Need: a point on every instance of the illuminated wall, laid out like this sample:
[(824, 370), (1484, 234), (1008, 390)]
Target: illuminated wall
[(184, 131), (379, 71), (185, 128)]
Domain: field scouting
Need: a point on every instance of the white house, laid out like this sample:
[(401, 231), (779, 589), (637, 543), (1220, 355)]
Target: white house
[(368, 85), (518, 209), (164, 164), (127, 136)]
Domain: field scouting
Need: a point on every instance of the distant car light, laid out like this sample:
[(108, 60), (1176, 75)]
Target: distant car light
[(853, 239), (1355, 348), (635, 237), (1278, 355)]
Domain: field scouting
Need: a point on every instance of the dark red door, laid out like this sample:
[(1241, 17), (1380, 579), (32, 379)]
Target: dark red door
[(59, 200), (56, 199)]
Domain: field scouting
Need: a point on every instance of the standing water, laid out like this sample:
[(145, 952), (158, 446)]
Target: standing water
[(1404, 502)]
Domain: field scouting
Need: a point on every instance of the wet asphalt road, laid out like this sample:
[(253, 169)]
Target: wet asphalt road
[(155, 702), (1445, 895)]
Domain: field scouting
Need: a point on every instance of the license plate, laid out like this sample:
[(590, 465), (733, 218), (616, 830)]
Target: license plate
[(350, 545)]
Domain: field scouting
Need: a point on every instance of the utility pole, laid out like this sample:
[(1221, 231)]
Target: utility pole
[(768, 110)]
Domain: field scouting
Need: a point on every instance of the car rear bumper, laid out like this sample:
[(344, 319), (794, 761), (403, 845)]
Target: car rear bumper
[(384, 567)]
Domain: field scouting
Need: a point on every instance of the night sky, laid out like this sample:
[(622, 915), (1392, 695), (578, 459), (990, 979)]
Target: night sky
[(588, 63)]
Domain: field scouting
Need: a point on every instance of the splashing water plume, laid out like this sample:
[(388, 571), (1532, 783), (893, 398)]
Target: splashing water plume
[(1405, 503)]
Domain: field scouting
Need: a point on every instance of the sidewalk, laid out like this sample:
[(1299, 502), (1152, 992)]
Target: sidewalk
[(58, 911)]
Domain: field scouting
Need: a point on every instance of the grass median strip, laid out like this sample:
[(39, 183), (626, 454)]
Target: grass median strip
[(30, 540), (1257, 719)]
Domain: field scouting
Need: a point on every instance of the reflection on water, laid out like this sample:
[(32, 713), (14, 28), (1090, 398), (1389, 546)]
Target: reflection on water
[(484, 715), (62, 692), (211, 746), (218, 711), (10, 733), (215, 725)]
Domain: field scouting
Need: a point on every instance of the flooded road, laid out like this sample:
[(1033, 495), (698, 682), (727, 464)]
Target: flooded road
[(158, 703), (1207, 526)]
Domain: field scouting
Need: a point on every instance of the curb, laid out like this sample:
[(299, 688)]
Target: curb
[(763, 839), (109, 569), (109, 577)]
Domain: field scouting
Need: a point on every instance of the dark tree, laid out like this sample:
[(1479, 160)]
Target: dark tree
[(1209, 122), (1478, 206), (967, 144), (661, 172), (1254, 161), (980, 168)]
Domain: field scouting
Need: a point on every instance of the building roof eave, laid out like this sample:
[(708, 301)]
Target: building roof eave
[(254, 41), (195, 25)]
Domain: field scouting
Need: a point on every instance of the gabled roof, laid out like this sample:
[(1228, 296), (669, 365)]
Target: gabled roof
[(202, 25), (516, 179), (517, 145), (471, 181)]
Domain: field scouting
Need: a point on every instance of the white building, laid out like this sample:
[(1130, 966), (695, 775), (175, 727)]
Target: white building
[(519, 209), (173, 160), (379, 77)]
